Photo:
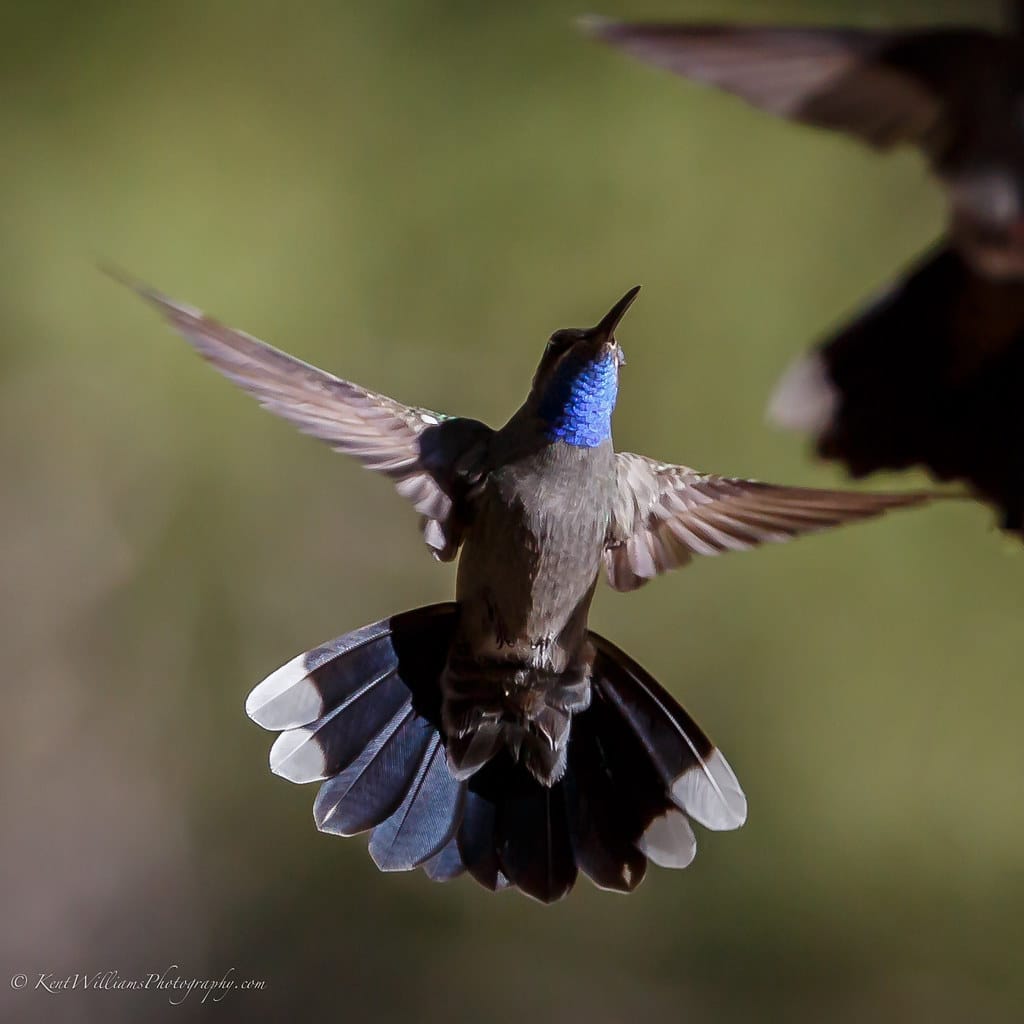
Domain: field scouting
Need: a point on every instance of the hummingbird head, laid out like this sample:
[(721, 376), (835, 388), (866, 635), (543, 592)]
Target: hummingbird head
[(577, 381)]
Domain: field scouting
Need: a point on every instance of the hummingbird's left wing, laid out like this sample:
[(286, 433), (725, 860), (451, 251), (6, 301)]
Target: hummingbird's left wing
[(433, 459), (663, 515)]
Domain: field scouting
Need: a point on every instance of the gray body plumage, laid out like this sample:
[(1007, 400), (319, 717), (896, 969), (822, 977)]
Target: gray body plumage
[(527, 575), (498, 735), (531, 556)]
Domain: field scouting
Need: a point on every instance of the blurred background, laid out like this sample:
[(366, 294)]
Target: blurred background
[(414, 195)]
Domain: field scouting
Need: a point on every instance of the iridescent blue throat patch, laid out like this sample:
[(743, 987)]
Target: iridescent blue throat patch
[(577, 405)]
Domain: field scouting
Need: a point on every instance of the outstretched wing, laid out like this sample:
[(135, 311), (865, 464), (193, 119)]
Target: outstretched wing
[(433, 459), (664, 515), (883, 87)]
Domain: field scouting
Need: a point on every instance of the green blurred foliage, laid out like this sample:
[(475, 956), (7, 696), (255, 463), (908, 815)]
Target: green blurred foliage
[(414, 195)]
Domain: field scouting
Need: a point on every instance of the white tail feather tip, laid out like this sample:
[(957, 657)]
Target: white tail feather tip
[(286, 699), (711, 794), (297, 757), (669, 841)]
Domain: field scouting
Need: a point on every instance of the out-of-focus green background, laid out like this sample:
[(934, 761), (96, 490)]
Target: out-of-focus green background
[(414, 195)]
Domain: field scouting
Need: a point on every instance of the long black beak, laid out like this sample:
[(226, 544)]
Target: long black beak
[(606, 328)]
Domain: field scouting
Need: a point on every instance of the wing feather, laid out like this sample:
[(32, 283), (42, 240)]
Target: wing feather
[(664, 515), (433, 459), (882, 87)]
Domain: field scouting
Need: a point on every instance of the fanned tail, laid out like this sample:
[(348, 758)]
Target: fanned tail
[(362, 715), (639, 768)]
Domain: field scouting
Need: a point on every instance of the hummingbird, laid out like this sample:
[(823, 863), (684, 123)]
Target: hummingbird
[(497, 734), (930, 374), (956, 93)]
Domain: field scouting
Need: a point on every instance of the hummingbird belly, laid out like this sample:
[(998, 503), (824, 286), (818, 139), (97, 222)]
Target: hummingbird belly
[(519, 667), (527, 575)]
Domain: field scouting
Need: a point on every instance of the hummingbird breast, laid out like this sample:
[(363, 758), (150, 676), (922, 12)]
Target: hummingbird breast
[(518, 669), (531, 556)]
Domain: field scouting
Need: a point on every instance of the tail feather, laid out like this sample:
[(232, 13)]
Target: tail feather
[(314, 683), (532, 835), (332, 743), (698, 776), (930, 375), (363, 714), (608, 803), (668, 840), (476, 836), (426, 819), (446, 864), (375, 784), (645, 814)]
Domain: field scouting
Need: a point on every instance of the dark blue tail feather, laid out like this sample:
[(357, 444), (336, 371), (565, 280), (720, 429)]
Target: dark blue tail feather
[(362, 713)]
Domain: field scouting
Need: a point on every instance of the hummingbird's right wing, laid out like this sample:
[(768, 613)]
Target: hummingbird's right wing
[(663, 515), (433, 459), (884, 87)]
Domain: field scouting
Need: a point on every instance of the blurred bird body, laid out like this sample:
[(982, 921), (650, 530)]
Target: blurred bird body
[(498, 735), (930, 374), (957, 94)]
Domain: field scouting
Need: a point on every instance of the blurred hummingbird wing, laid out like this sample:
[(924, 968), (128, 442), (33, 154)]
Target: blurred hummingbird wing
[(433, 459), (664, 515), (883, 87)]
